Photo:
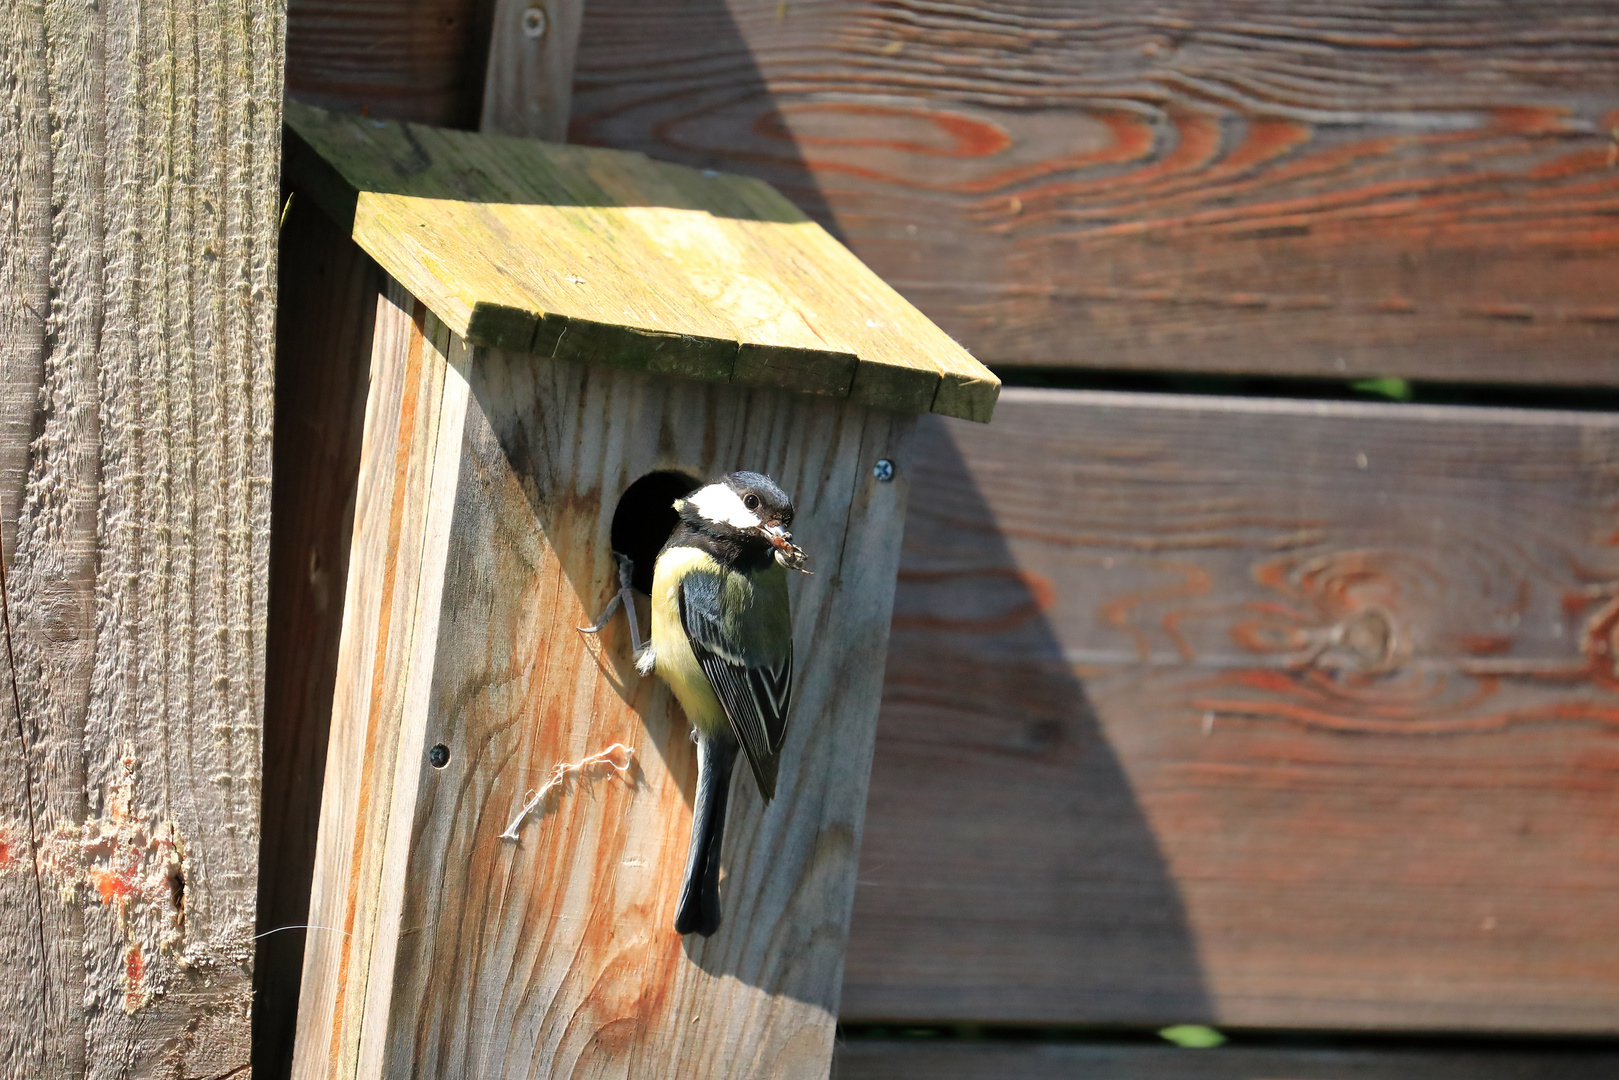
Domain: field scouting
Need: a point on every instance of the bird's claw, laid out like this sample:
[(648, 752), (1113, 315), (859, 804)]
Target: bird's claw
[(606, 616), (624, 597)]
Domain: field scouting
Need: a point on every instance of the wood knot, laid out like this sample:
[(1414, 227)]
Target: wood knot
[(1368, 635)]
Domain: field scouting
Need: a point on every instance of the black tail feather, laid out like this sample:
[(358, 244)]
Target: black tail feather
[(699, 911)]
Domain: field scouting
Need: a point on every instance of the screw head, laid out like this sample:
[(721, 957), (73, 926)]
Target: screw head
[(438, 756), (883, 470), (534, 22)]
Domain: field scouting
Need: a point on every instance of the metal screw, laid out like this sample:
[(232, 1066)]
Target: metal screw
[(883, 470), (439, 756), (534, 22)]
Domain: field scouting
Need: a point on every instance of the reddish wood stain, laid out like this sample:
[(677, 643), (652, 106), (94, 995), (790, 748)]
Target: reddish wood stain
[(1313, 685), (1444, 197), (1598, 644), (1118, 611), (1461, 166), (407, 437), (116, 886), (1485, 644), (964, 136), (121, 861), (134, 972)]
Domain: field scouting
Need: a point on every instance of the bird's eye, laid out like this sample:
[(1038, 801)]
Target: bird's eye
[(751, 501)]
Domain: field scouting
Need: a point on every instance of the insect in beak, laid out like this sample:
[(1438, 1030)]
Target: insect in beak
[(787, 553)]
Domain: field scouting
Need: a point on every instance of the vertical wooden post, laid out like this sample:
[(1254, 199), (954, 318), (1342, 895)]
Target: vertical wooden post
[(528, 89), (396, 566), (139, 157)]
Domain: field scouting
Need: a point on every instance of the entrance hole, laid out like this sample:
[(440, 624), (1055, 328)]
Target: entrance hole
[(645, 517)]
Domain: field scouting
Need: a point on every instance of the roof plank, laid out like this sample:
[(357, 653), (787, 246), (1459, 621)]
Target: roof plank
[(609, 257)]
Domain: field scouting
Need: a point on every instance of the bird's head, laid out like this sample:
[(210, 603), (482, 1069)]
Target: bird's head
[(746, 507)]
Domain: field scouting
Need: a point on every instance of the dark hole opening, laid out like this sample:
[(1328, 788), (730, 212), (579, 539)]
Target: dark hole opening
[(177, 890), (438, 756), (645, 517)]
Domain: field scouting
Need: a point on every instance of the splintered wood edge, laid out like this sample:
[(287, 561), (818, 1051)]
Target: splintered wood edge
[(935, 375)]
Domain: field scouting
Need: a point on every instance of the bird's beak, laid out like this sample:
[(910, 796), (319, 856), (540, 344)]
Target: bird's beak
[(787, 553), (779, 537)]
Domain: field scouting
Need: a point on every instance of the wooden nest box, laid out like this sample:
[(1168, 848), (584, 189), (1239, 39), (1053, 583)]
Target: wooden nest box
[(568, 339)]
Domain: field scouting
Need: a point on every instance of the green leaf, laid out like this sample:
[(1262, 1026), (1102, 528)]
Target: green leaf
[(1384, 386), (1193, 1036)]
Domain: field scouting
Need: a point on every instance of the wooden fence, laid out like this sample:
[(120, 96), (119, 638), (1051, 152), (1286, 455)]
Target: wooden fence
[(1270, 714), (1279, 715)]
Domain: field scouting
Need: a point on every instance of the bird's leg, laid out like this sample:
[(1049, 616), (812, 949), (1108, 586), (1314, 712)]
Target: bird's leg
[(626, 574), (625, 597)]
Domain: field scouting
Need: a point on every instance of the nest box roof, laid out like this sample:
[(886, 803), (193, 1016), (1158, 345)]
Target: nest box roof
[(608, 257)]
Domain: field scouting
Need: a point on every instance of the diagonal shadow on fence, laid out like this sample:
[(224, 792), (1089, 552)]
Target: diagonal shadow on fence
[(1007, 873)]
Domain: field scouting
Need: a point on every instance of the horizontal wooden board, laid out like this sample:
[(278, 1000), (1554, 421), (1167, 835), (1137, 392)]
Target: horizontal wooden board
[(1253, 713), (939, 1060), (605, 257), (1368, 187), (420, 60)]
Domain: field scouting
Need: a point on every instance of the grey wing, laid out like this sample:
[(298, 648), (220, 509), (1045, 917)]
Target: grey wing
[(749, 663)]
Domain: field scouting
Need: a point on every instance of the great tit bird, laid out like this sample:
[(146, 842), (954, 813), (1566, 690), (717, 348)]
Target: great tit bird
[(722, 638)]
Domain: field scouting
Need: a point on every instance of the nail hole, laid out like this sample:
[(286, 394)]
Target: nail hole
[(645, 517), (534, 22), (439, 756)]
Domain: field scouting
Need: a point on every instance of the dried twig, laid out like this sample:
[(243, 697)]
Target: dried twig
[(562, 771)]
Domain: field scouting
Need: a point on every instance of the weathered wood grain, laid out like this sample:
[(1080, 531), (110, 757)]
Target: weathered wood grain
[(414, 411), (604, 257), (139, 157), (32, 935), (528, 88), (419, 60), (464, 954), (327, 304), (918, 1060), (1380, 186), (1255, 713)]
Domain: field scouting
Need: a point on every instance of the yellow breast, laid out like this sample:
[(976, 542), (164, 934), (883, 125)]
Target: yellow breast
[(676, 664)]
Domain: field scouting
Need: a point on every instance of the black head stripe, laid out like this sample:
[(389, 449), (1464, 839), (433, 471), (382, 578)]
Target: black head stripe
[(774, 502)]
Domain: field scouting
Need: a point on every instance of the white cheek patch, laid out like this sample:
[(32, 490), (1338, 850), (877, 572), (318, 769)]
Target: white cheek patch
[(720, 504)]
